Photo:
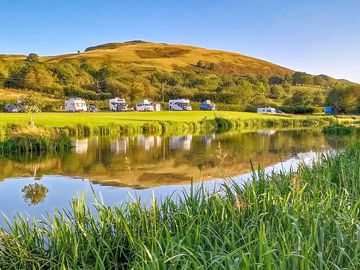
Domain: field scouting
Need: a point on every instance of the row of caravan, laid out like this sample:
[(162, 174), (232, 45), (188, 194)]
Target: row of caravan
[(145, 105)]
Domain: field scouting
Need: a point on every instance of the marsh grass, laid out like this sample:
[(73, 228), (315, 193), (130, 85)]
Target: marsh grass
[(26, 139), (308, 219)]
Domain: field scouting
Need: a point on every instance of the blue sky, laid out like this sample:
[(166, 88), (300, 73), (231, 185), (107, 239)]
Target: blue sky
[(313, 36)]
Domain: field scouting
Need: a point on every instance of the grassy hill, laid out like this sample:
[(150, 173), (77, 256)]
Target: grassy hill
[(139, 69), (148, 56)]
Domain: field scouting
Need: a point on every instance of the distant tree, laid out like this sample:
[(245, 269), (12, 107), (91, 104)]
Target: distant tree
[(32, 58), (32, 103), (301, 78), (319, 98), (276, 80), (301, 98), (277, 92), (345, 100)]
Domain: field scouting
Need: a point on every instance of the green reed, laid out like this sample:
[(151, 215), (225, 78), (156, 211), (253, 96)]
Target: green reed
[(308, 219), (27, 142)]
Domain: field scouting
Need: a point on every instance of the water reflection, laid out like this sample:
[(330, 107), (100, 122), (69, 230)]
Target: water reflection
[(149, 161), (181, 142)]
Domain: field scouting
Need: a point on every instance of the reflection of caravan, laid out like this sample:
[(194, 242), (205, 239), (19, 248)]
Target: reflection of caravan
[(179, 105), (266, 132), (146, 142), (208, 139), (80, 146), (180, 142), (119, 146), (144, 105), (266, 110), (118, 105), (75, 105)]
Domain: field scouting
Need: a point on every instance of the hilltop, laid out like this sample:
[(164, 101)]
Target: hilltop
[(137, 69)]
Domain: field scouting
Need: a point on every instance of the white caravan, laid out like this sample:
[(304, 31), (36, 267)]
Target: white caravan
[(179, 105), (75, 105), (266, 110), (144, 105), (118, 104)]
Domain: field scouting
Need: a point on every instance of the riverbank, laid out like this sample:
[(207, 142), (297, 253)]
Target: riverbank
[(302, 220), (130, 123)]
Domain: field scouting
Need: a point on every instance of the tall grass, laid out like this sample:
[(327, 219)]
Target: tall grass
[(309, 219), (34, 140)]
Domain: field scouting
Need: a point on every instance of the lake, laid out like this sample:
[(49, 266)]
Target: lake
[(117, 169)]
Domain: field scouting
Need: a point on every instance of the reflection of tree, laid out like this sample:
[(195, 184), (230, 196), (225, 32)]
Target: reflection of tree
[(34, 193)]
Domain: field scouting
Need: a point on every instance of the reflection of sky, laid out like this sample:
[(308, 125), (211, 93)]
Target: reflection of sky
[(62, 189)]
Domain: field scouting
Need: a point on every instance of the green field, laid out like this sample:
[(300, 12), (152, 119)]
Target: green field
[(133, 118)]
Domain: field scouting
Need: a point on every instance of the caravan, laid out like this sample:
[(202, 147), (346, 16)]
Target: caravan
[(118, 104), (75, 105), (179, 105), (266, 110), (144, 105)]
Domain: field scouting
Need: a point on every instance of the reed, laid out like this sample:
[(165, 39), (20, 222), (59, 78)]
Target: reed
[(35, 140), (308, 219)]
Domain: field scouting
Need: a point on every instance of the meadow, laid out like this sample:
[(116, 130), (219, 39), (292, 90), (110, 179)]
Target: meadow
[(158, 122), (308, 219)]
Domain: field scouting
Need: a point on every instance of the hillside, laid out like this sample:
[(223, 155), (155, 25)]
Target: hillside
[(151, 56), (138, 69)]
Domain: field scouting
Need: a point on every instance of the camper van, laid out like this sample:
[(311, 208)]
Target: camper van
[(75, 105), (144, 105), (118, 105), (266, 110), (179, 105)]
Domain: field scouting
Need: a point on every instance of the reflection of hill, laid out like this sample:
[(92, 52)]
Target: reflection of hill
[(145, 162)]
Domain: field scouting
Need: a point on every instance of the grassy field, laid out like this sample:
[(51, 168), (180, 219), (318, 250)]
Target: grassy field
[(158, 122), (134, 118), (304, 220)]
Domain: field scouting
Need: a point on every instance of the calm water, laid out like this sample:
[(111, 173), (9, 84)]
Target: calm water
[(118, 169)]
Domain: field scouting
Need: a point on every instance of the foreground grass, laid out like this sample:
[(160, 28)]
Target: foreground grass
[(159, 122), (304, 220)]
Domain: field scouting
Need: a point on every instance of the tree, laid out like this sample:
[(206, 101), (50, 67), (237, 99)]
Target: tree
[(277, 92), (276, 80), (301, 98), (32, 58), (345, 100), (32, 103)]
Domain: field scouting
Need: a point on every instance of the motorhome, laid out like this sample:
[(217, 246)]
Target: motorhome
[(206, 105), (75, 105), (144, 105), (179, 105), (266, 110), (118, 104)]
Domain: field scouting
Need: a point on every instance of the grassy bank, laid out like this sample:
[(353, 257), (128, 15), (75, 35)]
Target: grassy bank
[(304, 220), (34, 140), (158, 122)]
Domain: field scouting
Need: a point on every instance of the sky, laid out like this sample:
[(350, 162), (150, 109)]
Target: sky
[(318, 36)]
